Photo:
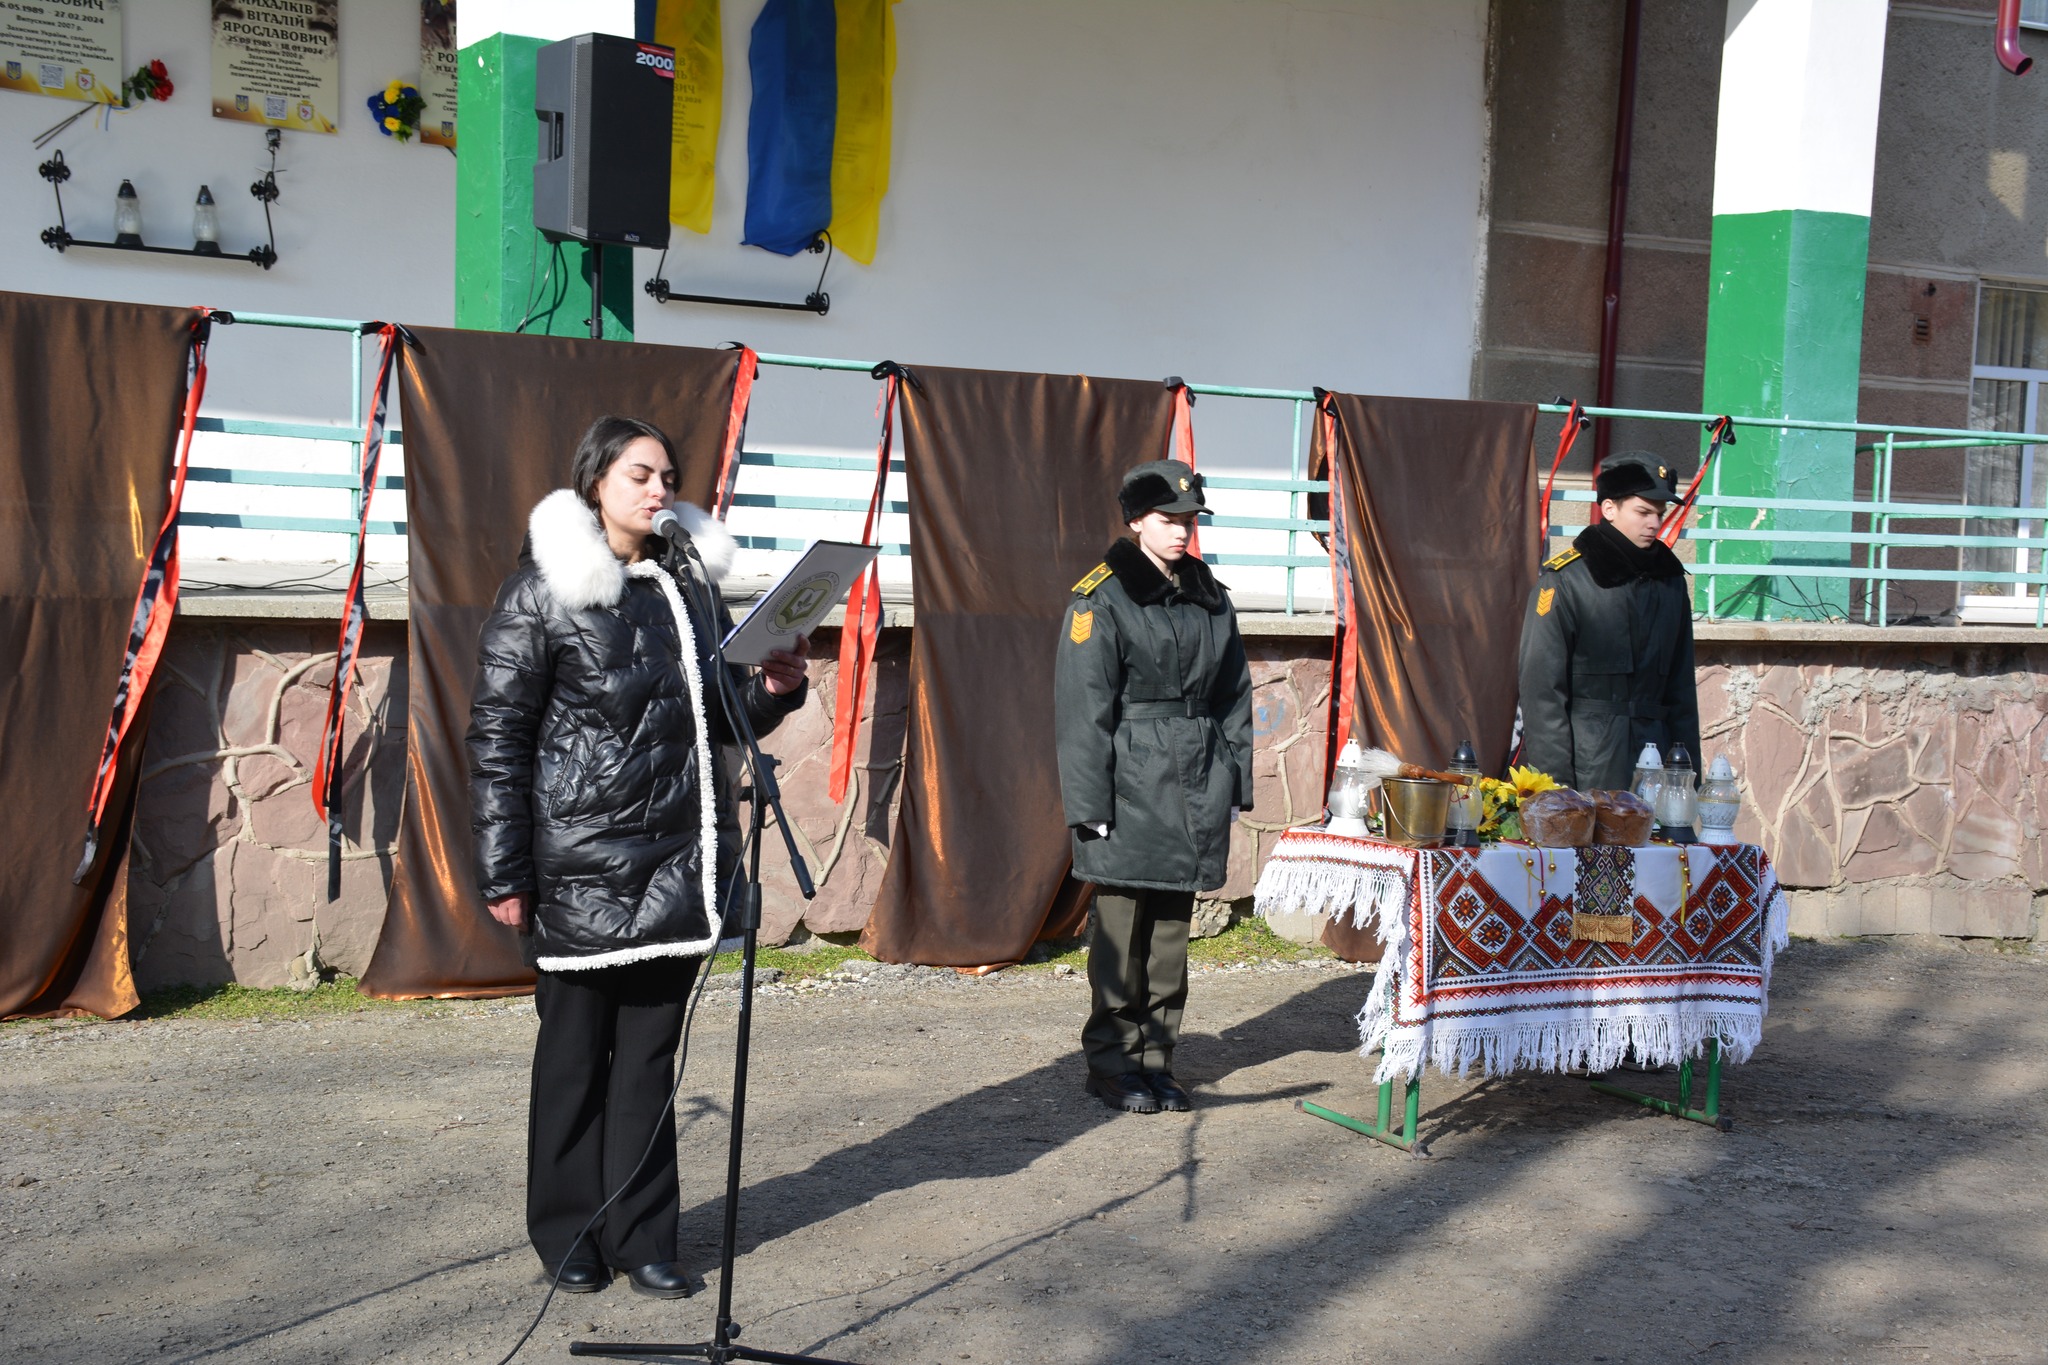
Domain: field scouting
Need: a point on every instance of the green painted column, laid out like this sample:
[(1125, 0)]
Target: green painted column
[(504, 270), (1793, 163)]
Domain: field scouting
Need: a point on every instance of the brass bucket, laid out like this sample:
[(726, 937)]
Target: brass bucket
[(1417, 810)]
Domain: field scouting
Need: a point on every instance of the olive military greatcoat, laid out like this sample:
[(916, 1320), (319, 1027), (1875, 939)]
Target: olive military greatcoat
[(1607, 662), (1154, 703)]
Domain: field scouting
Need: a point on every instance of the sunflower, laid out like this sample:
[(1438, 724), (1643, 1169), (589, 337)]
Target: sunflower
[(1528, 781)]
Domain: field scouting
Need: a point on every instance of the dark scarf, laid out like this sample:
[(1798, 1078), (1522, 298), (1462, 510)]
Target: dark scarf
[(1145, 584), (1614, 560)]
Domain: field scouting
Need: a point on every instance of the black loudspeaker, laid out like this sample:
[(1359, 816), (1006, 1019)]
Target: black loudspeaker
[(606, 105)]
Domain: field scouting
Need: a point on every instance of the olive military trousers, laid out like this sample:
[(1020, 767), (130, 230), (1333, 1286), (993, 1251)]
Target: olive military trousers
[(1138, 975)]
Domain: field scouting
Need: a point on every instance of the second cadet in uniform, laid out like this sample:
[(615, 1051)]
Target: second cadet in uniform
[(1607, 662), (1153, 712)]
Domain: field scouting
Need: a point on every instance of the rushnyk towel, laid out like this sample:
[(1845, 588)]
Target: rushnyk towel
[(1481, 969)]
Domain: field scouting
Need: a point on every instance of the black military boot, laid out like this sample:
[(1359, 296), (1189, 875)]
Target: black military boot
[(1127, 1093), (1172, 1098)]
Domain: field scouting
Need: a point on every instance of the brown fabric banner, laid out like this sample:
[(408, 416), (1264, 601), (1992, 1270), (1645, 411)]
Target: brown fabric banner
[(490, 423), (92, 394), (1013, 481), (1440, 495)]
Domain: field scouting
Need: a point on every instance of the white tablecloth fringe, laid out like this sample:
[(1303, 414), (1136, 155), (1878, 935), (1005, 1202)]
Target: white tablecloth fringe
[(1547, 1045)]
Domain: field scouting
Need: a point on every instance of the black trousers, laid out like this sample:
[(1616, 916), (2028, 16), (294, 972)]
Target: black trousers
[(602, 1070), (1138, 976)]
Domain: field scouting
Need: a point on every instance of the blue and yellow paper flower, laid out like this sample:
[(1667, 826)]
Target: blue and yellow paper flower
[(397, 108)]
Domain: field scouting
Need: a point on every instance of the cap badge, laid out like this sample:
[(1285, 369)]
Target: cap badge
[(1662, 472), (1183, 485)]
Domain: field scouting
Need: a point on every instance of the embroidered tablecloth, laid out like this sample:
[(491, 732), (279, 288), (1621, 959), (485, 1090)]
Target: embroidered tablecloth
[(1482, 967)]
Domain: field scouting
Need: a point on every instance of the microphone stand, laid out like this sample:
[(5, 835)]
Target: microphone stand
[(762, 794)]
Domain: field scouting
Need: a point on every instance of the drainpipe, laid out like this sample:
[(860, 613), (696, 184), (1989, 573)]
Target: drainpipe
[(1617, 221), (2008, 42)]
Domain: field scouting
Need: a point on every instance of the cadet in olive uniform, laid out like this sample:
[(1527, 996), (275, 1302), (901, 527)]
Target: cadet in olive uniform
[(1154, 713), (1607, 662)]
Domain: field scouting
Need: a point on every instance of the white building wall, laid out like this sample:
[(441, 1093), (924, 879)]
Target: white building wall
[(1237, 192)]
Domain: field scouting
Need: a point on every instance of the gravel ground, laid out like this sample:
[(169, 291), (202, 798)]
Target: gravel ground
[(926, 1182)]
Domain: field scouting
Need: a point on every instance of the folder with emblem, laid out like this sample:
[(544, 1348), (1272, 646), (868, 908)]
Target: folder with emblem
[(819, 581)]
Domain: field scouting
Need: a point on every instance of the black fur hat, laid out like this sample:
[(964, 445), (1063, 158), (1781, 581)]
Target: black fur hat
[(1635, 474), (1161, 486)]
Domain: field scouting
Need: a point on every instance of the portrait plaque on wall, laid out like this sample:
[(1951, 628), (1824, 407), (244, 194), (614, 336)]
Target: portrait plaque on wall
[(274, 63), (69, 52)]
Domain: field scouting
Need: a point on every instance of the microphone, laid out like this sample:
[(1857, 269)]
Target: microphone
[(669, 527)]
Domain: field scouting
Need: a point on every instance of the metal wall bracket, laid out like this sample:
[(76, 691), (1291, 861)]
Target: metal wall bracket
[(817, 301), (60, 239)]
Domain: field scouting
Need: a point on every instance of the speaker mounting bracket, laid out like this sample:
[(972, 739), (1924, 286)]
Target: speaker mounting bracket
[(817, 301)]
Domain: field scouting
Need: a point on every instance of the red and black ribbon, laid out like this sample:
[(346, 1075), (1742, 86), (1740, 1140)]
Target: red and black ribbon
[(1575, 421), (1723, 429), (327, 764), (156, 601), (1343, 656), (1180, 444), (862, 626), (735, 430)]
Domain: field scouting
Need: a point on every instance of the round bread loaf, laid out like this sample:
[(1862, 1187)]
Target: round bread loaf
[(1558, 818), (1621, 818)]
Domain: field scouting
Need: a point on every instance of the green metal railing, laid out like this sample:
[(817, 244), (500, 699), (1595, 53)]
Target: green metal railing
[(1877, 574), (1710, 530)]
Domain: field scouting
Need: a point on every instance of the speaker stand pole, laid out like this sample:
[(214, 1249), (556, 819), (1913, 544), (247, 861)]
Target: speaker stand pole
[(596, 292)]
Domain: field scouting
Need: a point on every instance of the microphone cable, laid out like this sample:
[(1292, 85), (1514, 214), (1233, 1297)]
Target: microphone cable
[(730, 699)]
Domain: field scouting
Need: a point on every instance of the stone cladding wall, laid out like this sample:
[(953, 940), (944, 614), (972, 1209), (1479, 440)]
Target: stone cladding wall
[(228, 873), (1899, 789)]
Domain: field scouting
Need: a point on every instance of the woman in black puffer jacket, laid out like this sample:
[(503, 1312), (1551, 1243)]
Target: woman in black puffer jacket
[(597, 804)]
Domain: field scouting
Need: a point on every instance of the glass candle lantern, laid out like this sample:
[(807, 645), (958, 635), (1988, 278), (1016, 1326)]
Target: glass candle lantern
[(1720, 801), (1468, 808), (1349, 790), (127, 216), (1649, 776), (205, 224), (1676, 798)]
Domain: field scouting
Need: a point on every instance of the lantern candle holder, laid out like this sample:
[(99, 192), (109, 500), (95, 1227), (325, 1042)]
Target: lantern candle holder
[(128, 216)]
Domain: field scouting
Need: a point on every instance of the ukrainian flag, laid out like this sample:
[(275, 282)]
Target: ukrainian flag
[(818, 132)]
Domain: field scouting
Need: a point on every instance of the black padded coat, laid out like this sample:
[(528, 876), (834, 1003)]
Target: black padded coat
[(1153, 705), (591, 785), (1607, 661)]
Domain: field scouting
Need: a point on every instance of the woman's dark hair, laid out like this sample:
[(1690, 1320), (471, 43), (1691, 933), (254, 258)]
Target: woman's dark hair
[(601, 446)]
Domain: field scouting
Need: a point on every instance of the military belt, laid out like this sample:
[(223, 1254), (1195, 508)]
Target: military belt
[(1163, 710)]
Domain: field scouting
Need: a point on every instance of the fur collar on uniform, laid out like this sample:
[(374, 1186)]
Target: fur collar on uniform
[(1144, 583), (569, 548), (1613, 559)]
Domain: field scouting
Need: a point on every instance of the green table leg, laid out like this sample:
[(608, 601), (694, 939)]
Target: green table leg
[(1710, 1114), (1383, 1131)]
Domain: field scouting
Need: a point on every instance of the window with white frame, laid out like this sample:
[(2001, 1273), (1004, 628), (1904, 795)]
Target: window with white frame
[(2005, 395)]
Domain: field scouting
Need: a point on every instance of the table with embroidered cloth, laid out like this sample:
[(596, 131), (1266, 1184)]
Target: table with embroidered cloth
[(1513, 958)]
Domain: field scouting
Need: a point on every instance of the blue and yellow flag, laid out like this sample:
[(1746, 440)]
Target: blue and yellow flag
[(818, 133)]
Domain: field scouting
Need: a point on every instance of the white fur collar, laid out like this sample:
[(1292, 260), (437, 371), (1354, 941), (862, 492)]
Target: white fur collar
[(570, 550)]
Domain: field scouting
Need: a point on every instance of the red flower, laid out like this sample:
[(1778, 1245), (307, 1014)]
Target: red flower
[(158, 69), (163, 90)]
